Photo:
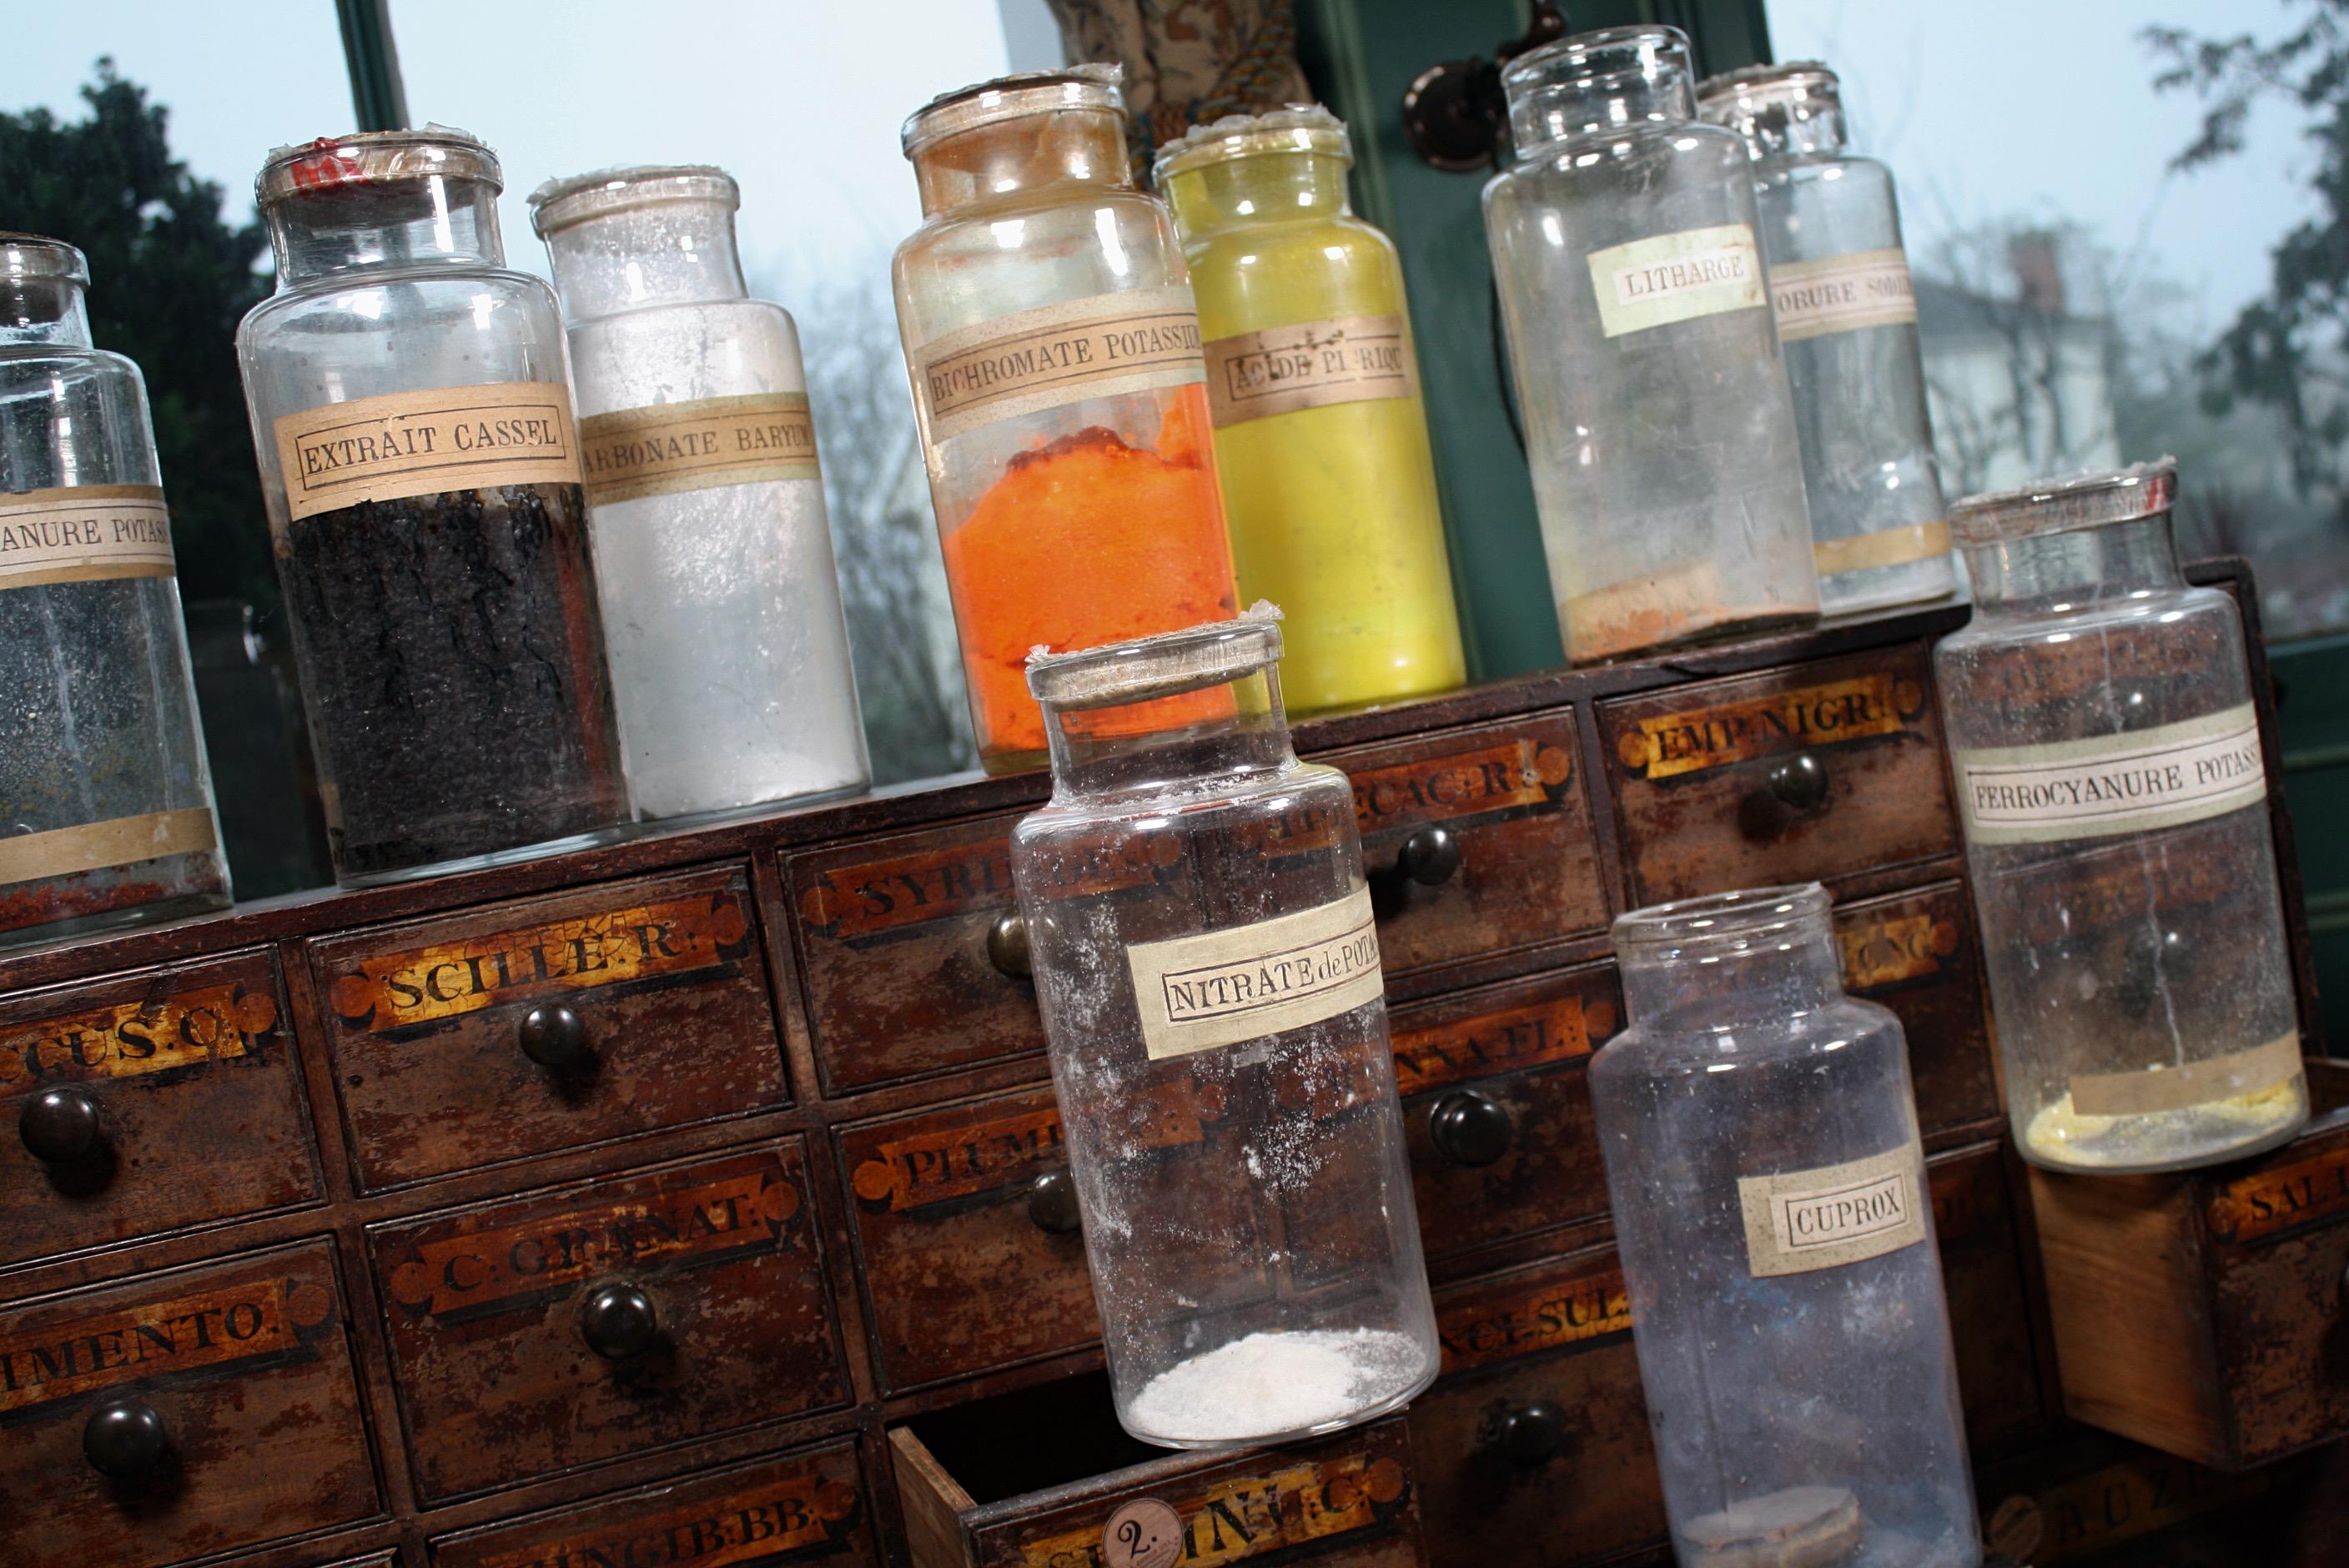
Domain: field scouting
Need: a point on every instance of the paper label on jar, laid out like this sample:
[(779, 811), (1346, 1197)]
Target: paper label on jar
[(1902, 546), (99, 846), (84, 533), (1842, 294), (1104, 346), (2137, 782), (1196, 993), (700, 444), (1677, 277), (1348, 359), (421, 443), (1824, 1218), (2154, 1089)]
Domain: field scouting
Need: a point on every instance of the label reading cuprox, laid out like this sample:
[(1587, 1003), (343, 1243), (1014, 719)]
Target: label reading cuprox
[(1351, 359), (1105, 345), (2137, 782), (1196, 993), (1799, 1220), (84, 533), (1842, 294), (408, 444), (1677, 277)]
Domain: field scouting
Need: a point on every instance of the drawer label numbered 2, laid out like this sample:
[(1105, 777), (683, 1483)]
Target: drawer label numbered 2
[(1249, 1517), (1696, 739)]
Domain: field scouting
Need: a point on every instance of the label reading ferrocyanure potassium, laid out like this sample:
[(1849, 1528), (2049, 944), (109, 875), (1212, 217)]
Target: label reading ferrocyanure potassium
[(2136, 782), (1196, 993)]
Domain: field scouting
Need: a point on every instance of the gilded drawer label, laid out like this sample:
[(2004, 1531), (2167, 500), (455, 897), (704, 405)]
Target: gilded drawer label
[(1695, 740), (1249, 1517), (248, 1322), (2103, 1509), (190, 1030), (1510, 774), (907, 890), (801, 1511), (1889, 949), (1501, 1325), (2285, 1196), (942, 1164), (1557, 1030), (450, 979)]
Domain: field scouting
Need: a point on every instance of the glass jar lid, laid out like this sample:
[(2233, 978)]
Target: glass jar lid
[(2065, 505), (1086, 86), (1167, 665), (559, 203), (364, 174), (1792, 83), (34, 258), (1721, 923), (1640, 49), (1295, 128)]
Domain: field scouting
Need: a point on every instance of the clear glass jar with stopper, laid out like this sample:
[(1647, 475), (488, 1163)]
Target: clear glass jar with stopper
[(1848, 320), (2112, 781), (1206, 957), (106, 805), (713, 555), (1775, 1228), (1667, 471)]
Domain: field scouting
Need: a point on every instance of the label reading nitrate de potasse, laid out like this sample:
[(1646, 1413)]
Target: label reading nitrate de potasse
[(1196, 993)]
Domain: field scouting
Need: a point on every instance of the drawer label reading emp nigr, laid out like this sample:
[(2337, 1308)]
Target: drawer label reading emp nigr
[(1695, 740), (190, 1030)]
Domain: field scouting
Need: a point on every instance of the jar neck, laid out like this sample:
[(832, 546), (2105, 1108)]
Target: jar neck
[(666, 252), (1226, 733), (2081, 566), (426, 223), (1729, 961), (1619, 88), (43, 313), (1818, 130), (1261, 188), (1013, 160)]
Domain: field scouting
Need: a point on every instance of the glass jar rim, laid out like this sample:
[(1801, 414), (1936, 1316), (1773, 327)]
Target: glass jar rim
[(2066, 505), (1738, 921), (1578, 48), (1292, 128), (373, 161), (1792, 81), (569, 200), (1015, 96), (1142, 669), (36, 258)]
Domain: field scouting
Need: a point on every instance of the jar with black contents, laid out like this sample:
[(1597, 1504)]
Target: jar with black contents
[(418, 452)]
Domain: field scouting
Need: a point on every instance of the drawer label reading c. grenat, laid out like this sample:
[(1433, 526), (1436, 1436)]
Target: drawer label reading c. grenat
[(1495, 1326), (1561, 1029), (2286, 1196), (1698, 738), (191, 1029), (939, 1166), (247, 1322), (84, 533), (1252, 1517), (1509, 776), (2140, 781), (801, 1511)]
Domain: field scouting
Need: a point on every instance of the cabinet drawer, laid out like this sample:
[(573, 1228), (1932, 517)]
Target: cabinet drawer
[(244, 1366), (966, 1224), (805, 1506), (177, 1099), (1797, 774), (2088, 1500), (646, 1004), (494, 1315), (1502, 814), (1977, 1228), (1915, 953), (904, 972)]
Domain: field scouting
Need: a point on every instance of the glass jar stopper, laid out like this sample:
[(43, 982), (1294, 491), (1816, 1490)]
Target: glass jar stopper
[(1167, 665), (2093, 499)]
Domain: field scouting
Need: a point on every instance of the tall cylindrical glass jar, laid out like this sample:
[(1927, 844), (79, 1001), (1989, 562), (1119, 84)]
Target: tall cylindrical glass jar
[(1058, 384), (1777, 1235), (1666, 466), (2109, 773), (413, 422), (713, 556), (105, 807), (1204, 953), (1320, 437), (1847, 319)]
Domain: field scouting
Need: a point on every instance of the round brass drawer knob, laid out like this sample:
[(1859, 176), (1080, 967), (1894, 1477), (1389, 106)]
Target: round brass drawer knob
[(1431, 856), (125, 1440), (1006, 945), (1053, 1203), (1470, 1129), (553, 1037), (1798, 783), (1533, 1435), (618, 1322), (62, 1126)]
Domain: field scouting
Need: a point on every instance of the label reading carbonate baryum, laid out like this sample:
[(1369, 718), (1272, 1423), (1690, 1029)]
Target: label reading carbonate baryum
[(1836, 1214), (2165, 776), (421, 443), (1842, 294), (700, 444), (1677, 277), (1352, 359), (1196, 993), (84, 533), (1105, 345)]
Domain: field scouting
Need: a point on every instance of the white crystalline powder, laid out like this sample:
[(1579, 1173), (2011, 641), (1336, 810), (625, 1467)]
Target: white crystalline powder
[(1271, 1384)]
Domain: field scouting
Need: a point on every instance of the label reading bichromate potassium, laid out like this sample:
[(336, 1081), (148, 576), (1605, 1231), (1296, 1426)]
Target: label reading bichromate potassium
[(2136, 782), (1842, 294), (1351, 359), (1104, 346), (1800, 1220), (1677, 277), (421, 443), (700, 444), (84, 533), (1196, 993)]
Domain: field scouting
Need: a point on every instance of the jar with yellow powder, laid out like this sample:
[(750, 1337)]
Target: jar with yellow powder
[(1320, 437)]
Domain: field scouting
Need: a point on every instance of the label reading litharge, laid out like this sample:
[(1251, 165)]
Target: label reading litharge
[(1351, 359), (422, 443), (1842, 294), (2157, 1089), (99, 846), (1836, 1215), (1104, 346), (84, 533), (2136, 782), (1196, 993), (1677, 277), (700, 444)]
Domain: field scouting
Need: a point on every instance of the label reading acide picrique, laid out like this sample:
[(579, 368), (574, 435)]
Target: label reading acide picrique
[(1830, 1215), (1842, 294), (1677, 277), (1314, 364), (2134, 782), (1104, 346), (1218, 988), (84, 533), (671, 447), (406, 444)]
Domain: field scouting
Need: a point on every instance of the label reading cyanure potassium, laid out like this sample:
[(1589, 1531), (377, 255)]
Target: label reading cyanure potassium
[(1677, 277), (421, 443), (1842, 294), (1104, 346), (84, 533), (2175, 1087), (1799, 1220), (2137, 782), (1351, 359), (1196, 993), (700, 444)]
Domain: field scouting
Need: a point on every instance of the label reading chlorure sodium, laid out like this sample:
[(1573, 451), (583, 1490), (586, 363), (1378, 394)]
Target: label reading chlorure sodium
[(1677, 277), (1196, 993), (2136, 782), (1842, 294), (1824, 1218)]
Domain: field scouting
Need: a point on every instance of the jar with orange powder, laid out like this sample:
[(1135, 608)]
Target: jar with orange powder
[(1060, 390)]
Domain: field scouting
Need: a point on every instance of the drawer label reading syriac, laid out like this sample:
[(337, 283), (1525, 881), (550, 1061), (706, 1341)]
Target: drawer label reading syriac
[(1510, 775), (1498, 1326), (939, 1166), (1831, 1215), (450, 979), (2287, 1195), (907, 890), (191, 1029), (1695, 740), (253, 1320), (800, 1511), (1876, 952), (1254, 1517), (1557, 1030)]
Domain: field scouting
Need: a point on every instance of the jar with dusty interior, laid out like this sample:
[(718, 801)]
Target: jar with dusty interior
[(1320, 437), (2111, 778), (1846, 317), (413, 422), (106, 805), (713, 555), (1207, 964), (1667, 471), (1771, 1206), (1059, 390)]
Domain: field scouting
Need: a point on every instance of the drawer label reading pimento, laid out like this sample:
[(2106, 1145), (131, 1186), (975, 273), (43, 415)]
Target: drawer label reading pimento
[(130, 1039), (1696, 739), (2137, 782), (249, 1321), (1799, 1220), (1218, 988)]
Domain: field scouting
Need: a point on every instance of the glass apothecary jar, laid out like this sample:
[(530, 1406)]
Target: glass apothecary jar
[(1205, 958), (106, 805), (1320, 437), (1059, 390), (1667, 471), (422, 474), (1846, 317), (1777, 1235), (2110, 778), (713, 555)]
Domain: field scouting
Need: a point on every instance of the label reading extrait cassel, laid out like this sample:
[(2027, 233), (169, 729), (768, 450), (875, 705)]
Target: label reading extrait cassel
[(702, 445), (1824, 1218), (421, 443), (2136, 782), (1351, 359), (1104, 346), (1196, 993), (84, 533), (1842, 294), (1677, 277)]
